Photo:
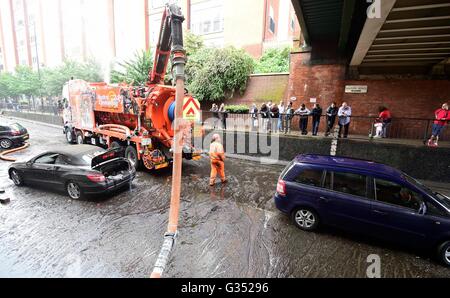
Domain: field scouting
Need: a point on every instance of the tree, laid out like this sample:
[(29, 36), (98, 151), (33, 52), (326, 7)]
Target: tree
[(134, 71), (192, 43), (54, 79), (274, 61), (215, 74)]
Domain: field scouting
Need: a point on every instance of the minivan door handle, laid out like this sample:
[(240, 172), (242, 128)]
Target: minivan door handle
[(382, 213)]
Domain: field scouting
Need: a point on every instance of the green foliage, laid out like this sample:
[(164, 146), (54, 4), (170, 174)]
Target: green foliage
[(192, 43), (237, 109), (215, 74), (134, 71), (273, 61), (28, 82), (54, 79)]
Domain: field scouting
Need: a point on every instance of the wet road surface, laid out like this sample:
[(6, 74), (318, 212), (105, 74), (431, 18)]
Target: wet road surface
[(230, 231)]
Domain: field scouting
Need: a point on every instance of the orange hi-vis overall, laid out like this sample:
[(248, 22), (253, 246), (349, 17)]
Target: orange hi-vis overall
[(217, 155)]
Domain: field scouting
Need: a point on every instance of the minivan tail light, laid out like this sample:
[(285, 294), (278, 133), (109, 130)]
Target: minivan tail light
[(281, 188), (96, 178)]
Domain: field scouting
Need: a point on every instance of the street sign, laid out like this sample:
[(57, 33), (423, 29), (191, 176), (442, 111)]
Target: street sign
[(357, 89), (191, 109)]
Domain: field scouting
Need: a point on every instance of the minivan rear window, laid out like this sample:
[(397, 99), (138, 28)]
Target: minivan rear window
[(287, 170), (310, 177)]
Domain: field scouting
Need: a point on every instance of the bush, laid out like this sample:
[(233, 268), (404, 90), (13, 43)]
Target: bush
[(217, 74), (274, 61), (237, 109)]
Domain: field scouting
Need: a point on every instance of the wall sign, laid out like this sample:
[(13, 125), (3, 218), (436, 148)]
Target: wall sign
[(358, 89)]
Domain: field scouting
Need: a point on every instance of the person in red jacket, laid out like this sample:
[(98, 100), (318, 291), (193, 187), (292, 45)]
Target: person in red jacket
[(386, 118), (442, 116)]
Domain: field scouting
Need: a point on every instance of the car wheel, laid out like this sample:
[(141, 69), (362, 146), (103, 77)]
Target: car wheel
[(80, 138), (74, 191), (444, 253), (6, 143), (305, 219), (69, 136), (132, 156), (16, 177)]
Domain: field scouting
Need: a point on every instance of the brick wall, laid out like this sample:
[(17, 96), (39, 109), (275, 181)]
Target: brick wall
[(406, 98), (263, 88)]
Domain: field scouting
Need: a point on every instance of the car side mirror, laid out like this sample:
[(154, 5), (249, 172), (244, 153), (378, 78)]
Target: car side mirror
[(29, 163)]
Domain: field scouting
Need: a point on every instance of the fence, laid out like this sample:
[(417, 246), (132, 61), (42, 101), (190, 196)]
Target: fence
[(25, 108), (360, 126)]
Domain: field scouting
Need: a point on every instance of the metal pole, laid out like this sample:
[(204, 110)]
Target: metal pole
[(179, 62)]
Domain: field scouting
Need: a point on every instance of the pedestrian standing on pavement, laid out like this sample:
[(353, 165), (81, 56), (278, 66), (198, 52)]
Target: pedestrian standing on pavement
[(385, 118), (217, 156), (288, 118), (254, 117), (215, 113), (281, 121), (303, 112), (265, 116), (316, 116), (274, 118), (442, 117), (332, 112), (344, 114), (223, 115)]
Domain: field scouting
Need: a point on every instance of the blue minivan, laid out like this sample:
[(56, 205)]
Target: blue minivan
[(367, 198)]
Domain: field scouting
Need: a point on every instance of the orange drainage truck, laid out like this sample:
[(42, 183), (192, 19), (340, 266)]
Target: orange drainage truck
[(137, 118)]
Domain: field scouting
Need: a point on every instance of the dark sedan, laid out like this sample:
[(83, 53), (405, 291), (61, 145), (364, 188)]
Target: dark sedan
[(12, 135), (78, 170)]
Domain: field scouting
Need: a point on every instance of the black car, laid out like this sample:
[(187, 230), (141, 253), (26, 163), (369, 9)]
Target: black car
[(12, 135), (78, 170)]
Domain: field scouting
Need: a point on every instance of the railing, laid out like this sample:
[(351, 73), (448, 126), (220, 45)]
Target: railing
[(360, 126), (24, 108)]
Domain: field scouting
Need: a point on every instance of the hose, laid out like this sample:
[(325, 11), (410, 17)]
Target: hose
[(3, 157)]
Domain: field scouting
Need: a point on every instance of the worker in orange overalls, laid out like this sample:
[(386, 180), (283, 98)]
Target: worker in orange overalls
[(217, 155)]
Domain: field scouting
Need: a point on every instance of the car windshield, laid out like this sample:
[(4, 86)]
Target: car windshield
[(16, 126), (444, 200)]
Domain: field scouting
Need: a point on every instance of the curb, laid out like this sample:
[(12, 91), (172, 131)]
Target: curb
[(32, 121)]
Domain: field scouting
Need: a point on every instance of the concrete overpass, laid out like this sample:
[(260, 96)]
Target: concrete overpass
[(384, 37)]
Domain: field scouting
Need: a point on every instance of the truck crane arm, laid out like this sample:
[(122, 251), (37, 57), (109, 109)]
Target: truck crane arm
[(170, 42)]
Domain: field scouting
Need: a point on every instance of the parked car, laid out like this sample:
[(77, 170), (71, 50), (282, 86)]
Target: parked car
[(79, 170), (365, 197), (12, 135)]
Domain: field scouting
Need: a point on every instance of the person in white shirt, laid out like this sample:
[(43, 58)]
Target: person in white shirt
[(304, 113), (282, 111), (344, 114)]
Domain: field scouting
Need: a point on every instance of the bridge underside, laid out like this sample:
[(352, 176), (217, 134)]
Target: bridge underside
[(398, 37)]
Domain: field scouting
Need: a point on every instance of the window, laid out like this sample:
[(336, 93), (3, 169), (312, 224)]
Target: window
[(310, 177), (349, 183), (4, 128), (207, 17), (272, 20), (62, 160), (396, 194), (48, 159)]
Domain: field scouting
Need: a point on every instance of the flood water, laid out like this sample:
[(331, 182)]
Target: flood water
[(229, 231)]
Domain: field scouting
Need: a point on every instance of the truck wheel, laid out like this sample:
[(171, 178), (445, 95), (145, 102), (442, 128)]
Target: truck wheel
[(80, 138), (69, 136), (132, 156), (115, 145)]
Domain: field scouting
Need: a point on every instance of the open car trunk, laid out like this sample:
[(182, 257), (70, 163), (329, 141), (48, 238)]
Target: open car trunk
[(112, 164), (116, 169)]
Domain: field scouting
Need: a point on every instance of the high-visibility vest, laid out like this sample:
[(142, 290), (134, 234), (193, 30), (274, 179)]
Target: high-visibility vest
[(216, 151)]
